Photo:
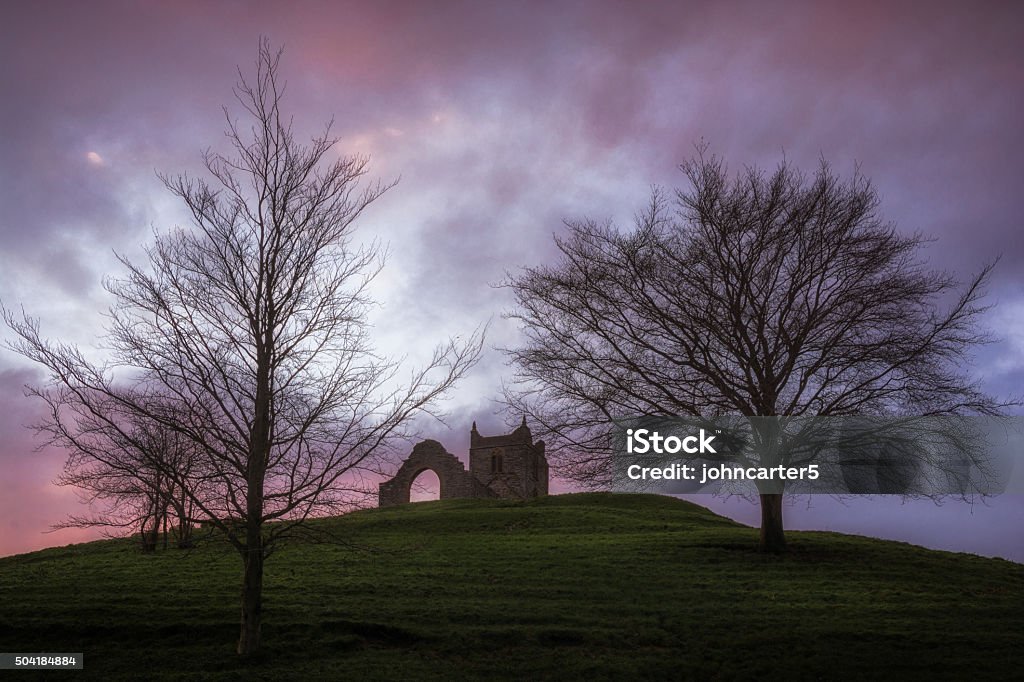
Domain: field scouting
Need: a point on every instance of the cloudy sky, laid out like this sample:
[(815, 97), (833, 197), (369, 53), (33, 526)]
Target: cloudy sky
[(501, 119)]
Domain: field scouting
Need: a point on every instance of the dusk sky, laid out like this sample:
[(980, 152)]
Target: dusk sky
[(501, 120)]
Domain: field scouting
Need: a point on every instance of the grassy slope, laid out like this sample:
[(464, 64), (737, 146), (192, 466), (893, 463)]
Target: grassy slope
[(594, 586)]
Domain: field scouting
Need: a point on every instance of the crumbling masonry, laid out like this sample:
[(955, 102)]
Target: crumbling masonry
[(510, 466)]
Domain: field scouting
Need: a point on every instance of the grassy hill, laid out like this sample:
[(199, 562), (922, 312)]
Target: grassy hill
[(588, 586)]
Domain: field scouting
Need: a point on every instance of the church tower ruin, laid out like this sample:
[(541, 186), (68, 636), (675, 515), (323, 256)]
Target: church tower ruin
[(512, 465)]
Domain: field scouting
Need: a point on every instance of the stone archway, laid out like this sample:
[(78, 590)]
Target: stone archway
[(425, 487), (454, 480)]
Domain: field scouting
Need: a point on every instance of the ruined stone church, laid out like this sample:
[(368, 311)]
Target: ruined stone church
[(511, 466)]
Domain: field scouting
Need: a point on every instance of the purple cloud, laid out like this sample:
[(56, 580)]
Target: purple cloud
[(502, 119)]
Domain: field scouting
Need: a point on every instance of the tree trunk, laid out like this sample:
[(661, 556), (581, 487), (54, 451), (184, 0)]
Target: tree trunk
[(149, 535), (252, 582), (259, 449), (252, 599), (773, 536)]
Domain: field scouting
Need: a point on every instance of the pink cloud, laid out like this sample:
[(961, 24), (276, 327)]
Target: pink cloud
[(551, 111)]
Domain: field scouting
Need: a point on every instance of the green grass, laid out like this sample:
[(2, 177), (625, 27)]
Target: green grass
[(590, 586)]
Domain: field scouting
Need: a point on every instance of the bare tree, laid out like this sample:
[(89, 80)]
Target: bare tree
[(760, 294), (132, 472), (252, 324)]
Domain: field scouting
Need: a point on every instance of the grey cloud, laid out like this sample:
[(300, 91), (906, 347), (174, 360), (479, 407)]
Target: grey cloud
[(567, 110)]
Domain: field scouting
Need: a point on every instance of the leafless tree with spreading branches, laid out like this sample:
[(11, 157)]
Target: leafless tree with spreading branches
[(755, 294), (136, 471), (252, 326)]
